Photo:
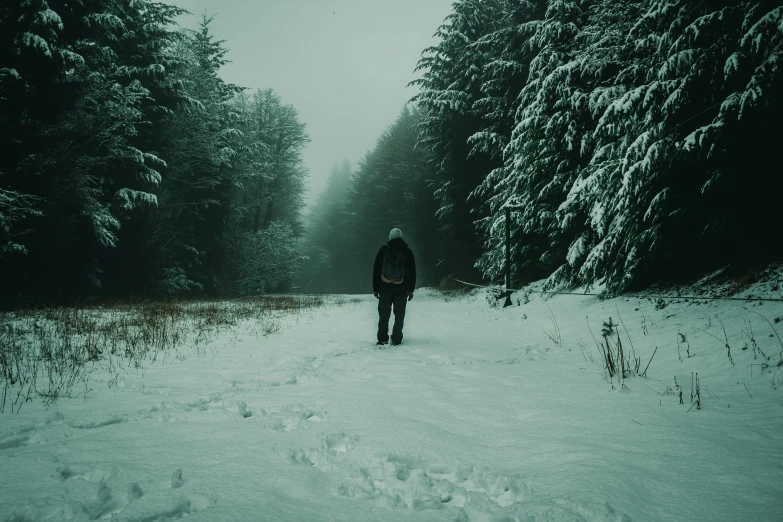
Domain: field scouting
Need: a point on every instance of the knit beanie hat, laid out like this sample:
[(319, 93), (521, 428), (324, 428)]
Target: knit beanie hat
[(395, 233)]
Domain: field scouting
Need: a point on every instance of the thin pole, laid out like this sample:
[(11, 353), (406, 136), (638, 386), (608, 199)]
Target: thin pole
[(508, 258)]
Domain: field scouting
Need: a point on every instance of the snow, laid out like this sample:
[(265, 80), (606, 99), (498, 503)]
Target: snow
[(36, 42), (732, 65), (11, 73), (576, 250), (49, 17), (656, 202), (129, 198), (476, 416), (71, 58), (697, 138), (104, 225), (771, 21)]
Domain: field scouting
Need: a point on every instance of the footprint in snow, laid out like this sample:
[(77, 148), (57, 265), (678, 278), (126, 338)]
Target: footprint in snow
[(339, 443), (291, 418), (184, 507), (400, 481), (92, 424), (134, 491), (107, 504), (204, 403), (14, 441), (30, 434), (86, 473), (176, 479), (532, 353), (242, 408)]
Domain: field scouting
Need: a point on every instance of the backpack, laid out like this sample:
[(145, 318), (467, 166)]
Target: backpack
[(393, 270)]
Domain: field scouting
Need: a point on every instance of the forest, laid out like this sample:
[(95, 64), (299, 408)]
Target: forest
[(633, 141), (131, 169)]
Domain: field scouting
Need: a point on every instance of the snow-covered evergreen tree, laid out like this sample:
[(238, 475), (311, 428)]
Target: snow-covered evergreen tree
[(450, 86), (684, 140), (640, 125), (579, 49), (182, 243), (78, 81)]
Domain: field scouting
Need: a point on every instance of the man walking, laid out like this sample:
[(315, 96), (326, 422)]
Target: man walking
[(393, 282)]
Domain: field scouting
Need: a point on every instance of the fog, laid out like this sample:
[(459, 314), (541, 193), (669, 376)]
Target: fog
[(343, 64)]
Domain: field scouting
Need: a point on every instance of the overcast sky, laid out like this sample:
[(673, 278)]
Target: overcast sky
[(343, 64)]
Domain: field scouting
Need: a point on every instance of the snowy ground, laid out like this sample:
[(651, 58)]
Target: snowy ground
[(477, 416)]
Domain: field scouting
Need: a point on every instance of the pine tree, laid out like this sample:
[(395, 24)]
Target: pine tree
[(580, 48), (630, 147), (178, 242), (667, 171), (450, 86), (77, 87)]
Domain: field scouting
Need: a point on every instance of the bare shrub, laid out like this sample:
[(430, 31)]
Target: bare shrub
[(554, 332), (724, 341)]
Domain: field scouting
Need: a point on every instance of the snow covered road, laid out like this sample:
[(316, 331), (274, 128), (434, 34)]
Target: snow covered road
[(477, 416)]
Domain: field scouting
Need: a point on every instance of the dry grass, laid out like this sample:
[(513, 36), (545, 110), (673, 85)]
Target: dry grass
[(48, 353)]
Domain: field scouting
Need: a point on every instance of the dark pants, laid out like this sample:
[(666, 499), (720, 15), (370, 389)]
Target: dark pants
[(391, 297)]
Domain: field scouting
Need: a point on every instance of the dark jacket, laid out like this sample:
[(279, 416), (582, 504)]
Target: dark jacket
[(409, 282)]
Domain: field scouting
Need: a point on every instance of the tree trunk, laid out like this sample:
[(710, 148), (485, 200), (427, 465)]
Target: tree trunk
[(257, 219)]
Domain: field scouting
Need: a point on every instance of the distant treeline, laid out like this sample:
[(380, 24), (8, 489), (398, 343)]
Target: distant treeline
[(392, 187), (636, 141), (129, 167)]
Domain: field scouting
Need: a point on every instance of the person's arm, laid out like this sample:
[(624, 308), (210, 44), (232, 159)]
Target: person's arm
[(411, 275), (376, 272)]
